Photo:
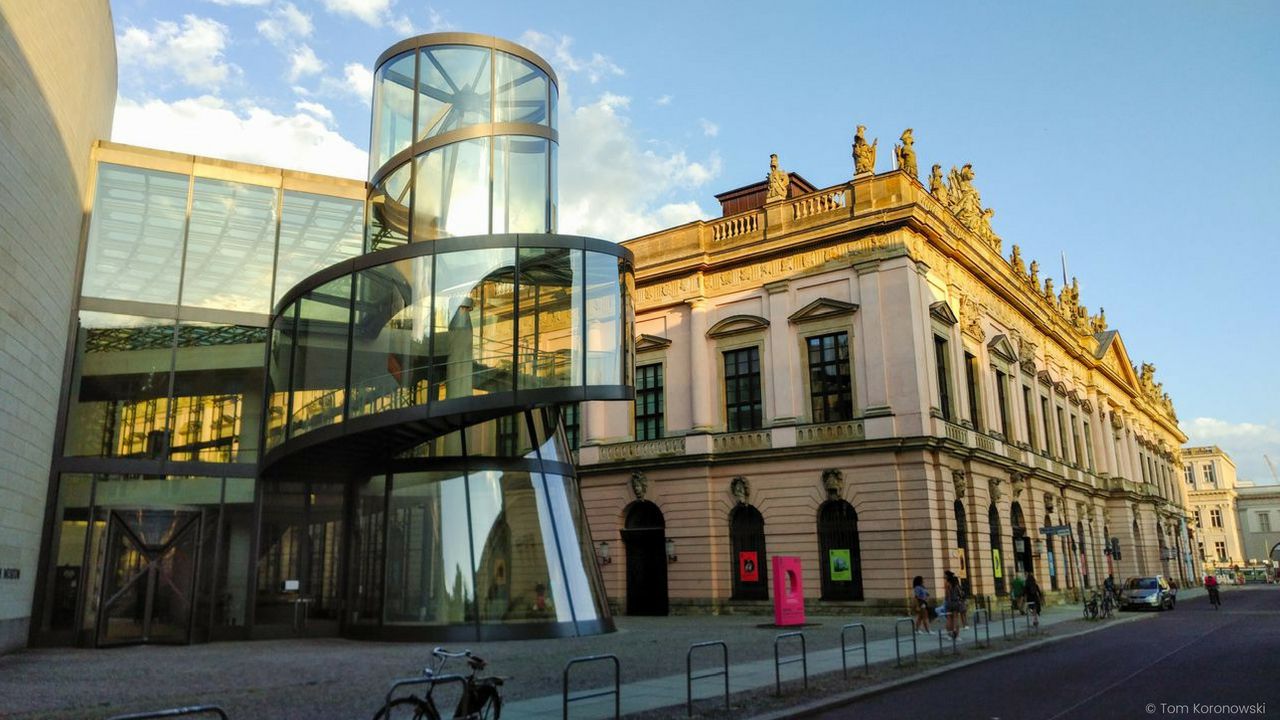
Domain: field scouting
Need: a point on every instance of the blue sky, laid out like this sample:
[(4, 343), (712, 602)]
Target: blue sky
[(1135, 137)]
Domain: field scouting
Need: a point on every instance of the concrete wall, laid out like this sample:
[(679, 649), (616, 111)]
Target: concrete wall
[(57, 96)]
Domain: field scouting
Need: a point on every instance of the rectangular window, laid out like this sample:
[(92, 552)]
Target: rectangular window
[(1220, 548), (1215, 517), (1075, 440), (649, 402), (1199, 523), (743, 410), (944, 375), (1209, 476), (569, 412), (1062, 436), (1189, 471), (1264, 522), (1048, 426), (1142, 465), (1028, 421), (830, 387), (971, 383), (1088, 444), (1002, 400)]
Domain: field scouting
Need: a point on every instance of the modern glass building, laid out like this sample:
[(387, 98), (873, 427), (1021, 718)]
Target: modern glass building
[(303, 405)]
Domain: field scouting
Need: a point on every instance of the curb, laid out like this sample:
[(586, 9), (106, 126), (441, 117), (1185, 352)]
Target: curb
[(833, 702)]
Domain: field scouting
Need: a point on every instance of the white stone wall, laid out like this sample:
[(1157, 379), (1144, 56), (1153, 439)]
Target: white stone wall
[(56, 99)]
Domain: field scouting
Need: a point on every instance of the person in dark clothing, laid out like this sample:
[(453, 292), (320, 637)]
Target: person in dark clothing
[(1035, 598)]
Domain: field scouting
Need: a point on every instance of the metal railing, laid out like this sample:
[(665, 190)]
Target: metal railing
[(430, 680), (174, 712), (689, 677), (778, 662), (616, 692), (981, 616), (954, 649), (844, 649), (897, 639)]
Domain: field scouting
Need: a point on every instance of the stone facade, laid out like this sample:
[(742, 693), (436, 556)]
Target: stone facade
[(938, 440), (1210, 479), (1258, 516), (57, 98)]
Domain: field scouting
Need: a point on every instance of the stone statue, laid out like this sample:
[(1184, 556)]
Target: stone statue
[(864, 155), (1048, 292), (779, 181), (740, 489), (833, 482), (985, 231), (937, 187), (965, 201), (906, 154), (960, 482), (1098, 323), (1015, 261), (993, 489), (1035, 273), (639, 484)]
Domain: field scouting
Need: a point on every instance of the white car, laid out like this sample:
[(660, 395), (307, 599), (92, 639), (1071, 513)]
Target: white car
[(1151, 592)]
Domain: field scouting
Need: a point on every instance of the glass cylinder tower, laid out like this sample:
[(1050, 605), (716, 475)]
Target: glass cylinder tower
[(420, 384)]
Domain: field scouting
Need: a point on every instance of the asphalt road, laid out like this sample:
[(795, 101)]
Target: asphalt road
[(1178, 664)]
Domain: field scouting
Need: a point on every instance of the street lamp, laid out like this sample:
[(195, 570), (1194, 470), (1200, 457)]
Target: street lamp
[(602, 553), (671, 551)]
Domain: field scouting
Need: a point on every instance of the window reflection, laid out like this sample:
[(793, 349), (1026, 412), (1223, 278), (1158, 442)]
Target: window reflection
[(473, 321), (389, 209), (279, 370), (391, 362), (520, 185), (392, 110), (605, 353), (518, 573), (230, 246), (320, 357), (452, 196), (521, 91), (217, 393), (120, 390), (135, 237), (428, 572), (316, 231), (550, 317), (453, 89)]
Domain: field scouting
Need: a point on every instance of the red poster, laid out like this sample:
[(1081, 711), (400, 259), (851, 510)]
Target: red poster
[(748, 569)]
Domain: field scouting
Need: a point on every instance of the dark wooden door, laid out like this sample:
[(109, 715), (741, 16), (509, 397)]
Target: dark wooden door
[(645, 541)]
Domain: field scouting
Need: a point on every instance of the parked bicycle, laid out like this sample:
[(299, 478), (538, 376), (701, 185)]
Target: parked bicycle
[(481, 698), (1108, 605), (1093, 607)]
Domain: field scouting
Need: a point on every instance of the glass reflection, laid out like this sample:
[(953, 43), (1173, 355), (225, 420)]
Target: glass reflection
[(605, 352), (316, 231), (279, 370), (367, 551), (320, 357), (550, 317), (70, 527), (473, 321), (506, 436), (135, 236), (452, 196), (518, 574), (453, 89), (230, 246), (217, 392), (521, 91), (119, 403), (428, 572), (389, 209), (392, 110), (582, 575), (520, 185), (391, 355)]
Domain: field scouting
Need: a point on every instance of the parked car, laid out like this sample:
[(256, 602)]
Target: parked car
[(1150, 592)]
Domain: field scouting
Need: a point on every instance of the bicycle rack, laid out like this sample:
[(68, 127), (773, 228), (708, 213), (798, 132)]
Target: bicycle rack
[(1007, 614), (431, 680), (616, 692), (897, 640), (174, 712), (689, 677), (941, 634), (981, 615), (844, 649), (778, 663)]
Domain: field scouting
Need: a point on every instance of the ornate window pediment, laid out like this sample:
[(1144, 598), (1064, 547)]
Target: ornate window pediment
[(651, 342), (1044, 378), (1060, 388), (942, 312), (821, 309), (737, 324), (1087, 405), (1074, 397), (1002, 348)]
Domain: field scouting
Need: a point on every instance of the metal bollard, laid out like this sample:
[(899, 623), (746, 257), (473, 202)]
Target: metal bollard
[(689, 677), (778, 663), (844, 649), (897, 639), (616, 692)]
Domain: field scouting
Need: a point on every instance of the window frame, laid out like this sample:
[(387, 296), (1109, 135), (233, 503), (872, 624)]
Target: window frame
[(758, 390), (844, 372), (659, 392)]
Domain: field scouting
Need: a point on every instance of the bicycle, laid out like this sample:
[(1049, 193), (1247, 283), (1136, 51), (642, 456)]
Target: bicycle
[(1108, 606), (1091, 607), (480, 700), (1214, 598)]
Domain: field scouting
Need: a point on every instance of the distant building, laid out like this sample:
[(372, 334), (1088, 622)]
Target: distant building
[(1210, 479), (1258, 515), (858, 375)]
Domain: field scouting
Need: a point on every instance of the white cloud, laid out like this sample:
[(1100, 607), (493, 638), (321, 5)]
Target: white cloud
[(316, 109), (192, 51), (436, 21), (402, 25), (285, 23), (557, 52), (1245, 442), (303, 62), (226, 3), (207, 125), (612, 188), (664, 100), (709, 128), (371, 12)]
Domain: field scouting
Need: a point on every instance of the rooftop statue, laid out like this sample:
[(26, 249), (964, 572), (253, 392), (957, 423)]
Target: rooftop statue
[(1048, 292), (779, 181), (1098, 323), (965, 201), (985, 231), (937, 187), (906, 154), (864, 155), (1035, 273), (1015, 260)]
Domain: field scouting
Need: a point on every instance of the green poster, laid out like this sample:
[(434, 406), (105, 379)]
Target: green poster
[(841, 567), (995, 561)]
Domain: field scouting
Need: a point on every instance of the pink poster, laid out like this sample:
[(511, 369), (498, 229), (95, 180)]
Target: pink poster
[(788, 591)]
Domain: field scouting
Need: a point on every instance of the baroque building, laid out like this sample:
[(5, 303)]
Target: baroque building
[(1210, 477), (863, 376)]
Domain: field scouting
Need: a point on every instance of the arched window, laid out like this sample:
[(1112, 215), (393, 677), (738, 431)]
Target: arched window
[(747, 554), (839, 558), (1051, 554), (1021, 543), (962, 544), (997, 549)]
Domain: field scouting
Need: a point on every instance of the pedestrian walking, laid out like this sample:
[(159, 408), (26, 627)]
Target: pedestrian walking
[(1035, 598), (1018, 595), (956, 608), (921, 599)]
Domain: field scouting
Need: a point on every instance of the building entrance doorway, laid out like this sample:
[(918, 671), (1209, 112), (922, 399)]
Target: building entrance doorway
[(149, 577), (645, 539)]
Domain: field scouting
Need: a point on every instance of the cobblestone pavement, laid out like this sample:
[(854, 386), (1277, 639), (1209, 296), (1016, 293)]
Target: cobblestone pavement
[(333, 678)]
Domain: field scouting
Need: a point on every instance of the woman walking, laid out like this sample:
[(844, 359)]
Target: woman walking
[(1035, 598), (955, 604), (921, 599)]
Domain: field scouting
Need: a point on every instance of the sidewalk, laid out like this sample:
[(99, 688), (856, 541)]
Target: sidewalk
[(669, 690)]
